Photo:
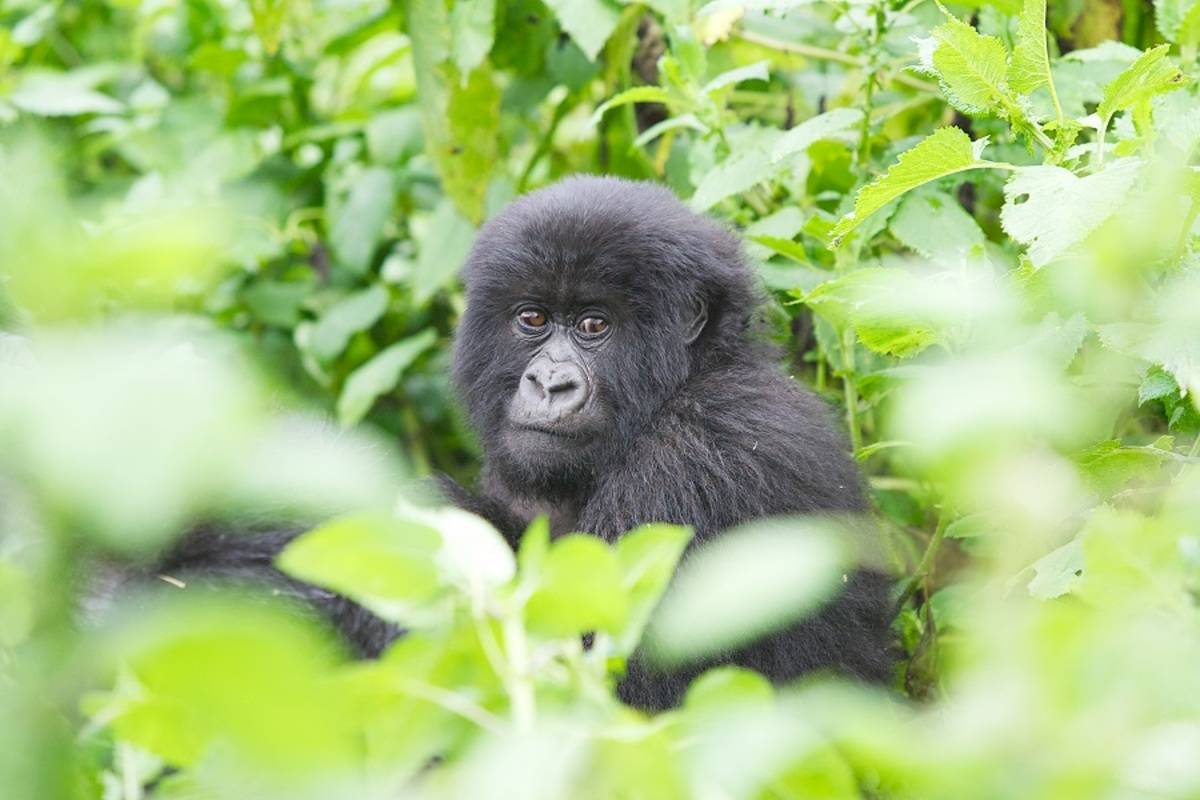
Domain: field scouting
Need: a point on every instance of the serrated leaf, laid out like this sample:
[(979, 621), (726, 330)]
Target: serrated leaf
[(945, 152), (741, 171), (379, 376), (588, 22), (1152, 74), (1030, 66), (1156, 385), (1050, 209), (971, 68), (814, 129)]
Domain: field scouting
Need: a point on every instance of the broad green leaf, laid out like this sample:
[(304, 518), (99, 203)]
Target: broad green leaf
[(384, 563), (357, 312), (945, 152), (472, 25), (207, 671), (648, 557), (758, 71), (444, 244), (741, 171), (884, 307), (54, 94), (1030, 67), (970, 67), (1152, 74), (814, 129), (581, 588), (1057, 572), (356, 224), (1050, 209), (379, 376), (1178, 21), (588, 22), (16, 604), (782, 224), (1108, 467), (460, 119), (638, 94), (751, 580), (936, 225), (474, 556), (468, 157)]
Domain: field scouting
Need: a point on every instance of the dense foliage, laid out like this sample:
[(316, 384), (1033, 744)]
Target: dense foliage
[(229, 236)]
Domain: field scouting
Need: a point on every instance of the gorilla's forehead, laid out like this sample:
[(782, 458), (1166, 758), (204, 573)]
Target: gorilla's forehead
[(586, 238)]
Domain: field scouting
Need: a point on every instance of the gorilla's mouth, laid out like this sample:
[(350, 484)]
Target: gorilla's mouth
[(558, 432)]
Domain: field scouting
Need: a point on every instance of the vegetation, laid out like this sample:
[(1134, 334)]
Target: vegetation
[(225, 224)]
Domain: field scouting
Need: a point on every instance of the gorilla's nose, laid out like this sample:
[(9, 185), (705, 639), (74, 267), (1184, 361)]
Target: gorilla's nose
[(559, 388)]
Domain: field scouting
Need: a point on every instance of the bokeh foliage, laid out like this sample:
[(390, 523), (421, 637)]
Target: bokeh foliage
[(229, 236)]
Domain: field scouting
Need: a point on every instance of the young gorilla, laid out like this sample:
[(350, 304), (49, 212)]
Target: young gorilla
[(608, 361)]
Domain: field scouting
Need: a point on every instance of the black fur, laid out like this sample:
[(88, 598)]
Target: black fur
[(710, 434), (701, 430)]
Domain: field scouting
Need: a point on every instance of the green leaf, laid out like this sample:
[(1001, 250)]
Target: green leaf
[(1178, 21), (588, 22), (472, 23), (581, 588), (751, 72), (356, 312), (741, 171), (384, 563), (470, 152), (1057, 572), (207, 671), (752, 580), (638, 94), (1030, 67), (648, 556), (936, 225), (1050, 209), (814, 129), (356, 225), (1152, 74), (444, 246), (670, 124), (945, 152), (61, 94), (379, 376), (971, 69)]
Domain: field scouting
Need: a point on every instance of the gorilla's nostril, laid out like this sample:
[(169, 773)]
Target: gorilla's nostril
[(561, 385)]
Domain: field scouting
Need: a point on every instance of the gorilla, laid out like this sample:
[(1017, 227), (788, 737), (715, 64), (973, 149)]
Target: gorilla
[(610, 363)]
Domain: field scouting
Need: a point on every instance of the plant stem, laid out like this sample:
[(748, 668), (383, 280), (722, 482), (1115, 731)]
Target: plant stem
[(825, 54), (850, 391), (926, 563)]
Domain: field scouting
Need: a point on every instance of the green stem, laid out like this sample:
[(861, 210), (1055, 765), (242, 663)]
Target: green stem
[(836, 56), (925, 565), (850, 391), (520, 681)]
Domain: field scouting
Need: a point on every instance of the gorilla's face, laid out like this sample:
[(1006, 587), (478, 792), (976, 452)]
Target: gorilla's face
[(588, 304), (557, 409)]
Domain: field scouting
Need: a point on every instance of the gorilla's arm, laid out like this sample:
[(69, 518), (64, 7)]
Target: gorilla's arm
[(718, 456)]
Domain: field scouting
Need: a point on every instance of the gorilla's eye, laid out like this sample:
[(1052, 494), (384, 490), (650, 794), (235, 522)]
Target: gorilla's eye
[(533, 319), (592, 326)]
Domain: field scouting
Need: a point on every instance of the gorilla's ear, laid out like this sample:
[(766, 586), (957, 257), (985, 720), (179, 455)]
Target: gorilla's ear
[(696, 327)]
